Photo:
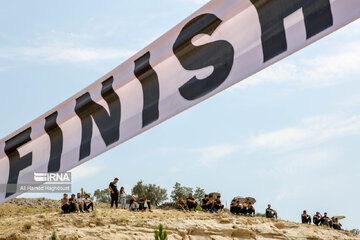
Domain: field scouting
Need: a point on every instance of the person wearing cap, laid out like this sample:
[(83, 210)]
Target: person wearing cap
[(114, 193), (305, 218)]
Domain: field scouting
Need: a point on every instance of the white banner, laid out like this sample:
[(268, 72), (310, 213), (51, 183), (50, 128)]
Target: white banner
[(214, 48)]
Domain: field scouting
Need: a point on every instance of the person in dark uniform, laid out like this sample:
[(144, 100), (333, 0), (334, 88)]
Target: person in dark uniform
[(305, 218), (205, 204), (235, 207), (270, 213), (191, 202), (325, 220), (114, 193), (218, 205), (316, 218)]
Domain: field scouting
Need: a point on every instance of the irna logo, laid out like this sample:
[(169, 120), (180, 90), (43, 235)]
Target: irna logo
[(52, 177)]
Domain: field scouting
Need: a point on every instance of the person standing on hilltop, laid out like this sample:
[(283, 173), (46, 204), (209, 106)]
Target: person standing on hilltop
[(122, 198), (114, 193), (305, 218)]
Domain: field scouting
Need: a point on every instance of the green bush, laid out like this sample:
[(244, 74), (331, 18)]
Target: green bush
[(154, 193), (160, 234)]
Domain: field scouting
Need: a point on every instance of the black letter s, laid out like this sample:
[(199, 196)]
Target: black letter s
[(219, 54)]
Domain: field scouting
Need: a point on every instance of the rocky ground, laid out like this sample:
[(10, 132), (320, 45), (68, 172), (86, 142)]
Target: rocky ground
[(39, 218)]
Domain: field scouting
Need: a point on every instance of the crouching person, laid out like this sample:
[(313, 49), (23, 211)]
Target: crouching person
[(191, 202), (88, 203), (180, 204), (133, 205), (65, 205), (218, 205), (144, 204), (74, 206), (270, 213)]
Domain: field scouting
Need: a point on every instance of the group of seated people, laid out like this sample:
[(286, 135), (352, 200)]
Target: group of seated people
[(140, 205), (318, 219), (242, 209), (208, 203), (80, 203)]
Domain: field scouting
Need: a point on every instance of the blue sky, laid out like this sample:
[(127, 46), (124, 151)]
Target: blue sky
[(287, 135)]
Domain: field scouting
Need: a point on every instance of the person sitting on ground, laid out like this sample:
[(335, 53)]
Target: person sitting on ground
[(205, 204), (74, 207), (212, 204), (325, 220), (305, 218), (218, 205), (114, 193), (336, 224), (133, 205), (88, 203), (144, 204), (250, 209), (191, 202), (65, 205), (79, 200), (235, 207), (316, 218), (270, 213), (180, 204)]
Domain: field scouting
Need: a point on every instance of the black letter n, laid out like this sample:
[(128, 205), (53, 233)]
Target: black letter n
[(108, 125), (317, 17)]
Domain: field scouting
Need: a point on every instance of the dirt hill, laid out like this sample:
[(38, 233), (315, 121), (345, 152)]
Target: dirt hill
[(39, 218)]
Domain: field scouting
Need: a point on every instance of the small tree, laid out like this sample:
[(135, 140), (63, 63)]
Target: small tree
[(154, 193), (102, 195), (180, 191), (199, 194)]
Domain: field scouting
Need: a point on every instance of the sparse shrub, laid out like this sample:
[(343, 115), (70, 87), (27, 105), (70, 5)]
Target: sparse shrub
[(355, 231), (260, 215), (26, 227), (160, 234), (53, 236)]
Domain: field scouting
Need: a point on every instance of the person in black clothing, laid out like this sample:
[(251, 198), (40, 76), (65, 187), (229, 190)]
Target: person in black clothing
[(325, 220), (316, 218), (191, 202), (235, 206), (335, 223), (74, 207), (65, 205), (217, 204), (114, 193), (305, 218), (250, 209), (206, 204), (144, 203), (270, 213)]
